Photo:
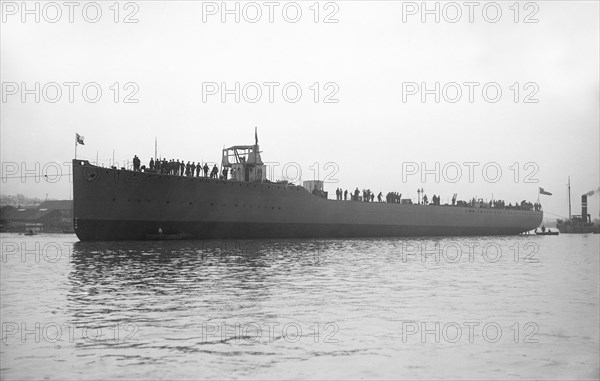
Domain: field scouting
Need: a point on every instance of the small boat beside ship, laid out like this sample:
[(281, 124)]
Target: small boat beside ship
[(546, 232)]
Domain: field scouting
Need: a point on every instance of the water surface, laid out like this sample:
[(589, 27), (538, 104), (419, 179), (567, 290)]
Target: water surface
[(489, 308)]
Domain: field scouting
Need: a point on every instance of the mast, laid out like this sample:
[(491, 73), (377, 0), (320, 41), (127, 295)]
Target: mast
[(569, 187), (155, 148)]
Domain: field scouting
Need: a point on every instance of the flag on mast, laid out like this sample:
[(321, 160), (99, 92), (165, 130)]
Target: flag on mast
[(542, 191), (79, 139)]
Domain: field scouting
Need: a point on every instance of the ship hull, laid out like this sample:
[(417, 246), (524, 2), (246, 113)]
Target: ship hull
[(107, 230), (578, 229), (110, 204)]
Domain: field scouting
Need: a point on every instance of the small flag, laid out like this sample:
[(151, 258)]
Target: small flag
[(79, 139), (542, 191)]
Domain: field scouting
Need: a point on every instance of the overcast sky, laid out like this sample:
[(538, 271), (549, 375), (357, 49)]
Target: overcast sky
[(370, 59)]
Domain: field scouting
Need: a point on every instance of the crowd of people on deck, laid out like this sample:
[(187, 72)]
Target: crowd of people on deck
[(393, 197), (179, 168), (396, 198)]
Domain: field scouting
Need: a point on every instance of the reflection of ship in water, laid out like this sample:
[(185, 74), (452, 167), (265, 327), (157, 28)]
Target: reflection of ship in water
[(104, 274), (145, 287), (578, 223)]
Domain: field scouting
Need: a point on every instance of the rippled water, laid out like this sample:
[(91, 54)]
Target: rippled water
[(506, 307)]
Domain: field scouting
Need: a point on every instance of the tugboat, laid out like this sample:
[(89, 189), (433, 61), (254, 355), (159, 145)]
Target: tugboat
[(578, 224)]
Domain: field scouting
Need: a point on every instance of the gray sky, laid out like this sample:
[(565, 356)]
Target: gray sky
[(369, 56)]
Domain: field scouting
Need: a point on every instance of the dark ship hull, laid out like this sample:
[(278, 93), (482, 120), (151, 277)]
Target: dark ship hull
[(111, 204), (569, 227)]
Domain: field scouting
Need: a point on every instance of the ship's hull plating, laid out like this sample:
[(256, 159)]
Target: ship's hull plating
[(578, 228), (124, 205)]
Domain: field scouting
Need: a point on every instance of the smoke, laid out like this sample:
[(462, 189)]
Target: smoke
[(592, 192)]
